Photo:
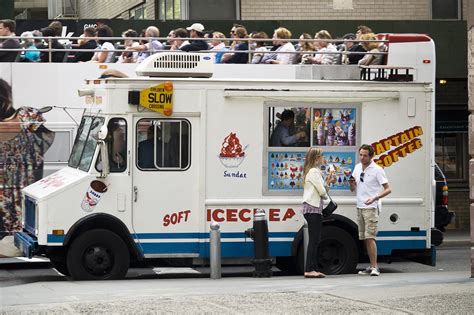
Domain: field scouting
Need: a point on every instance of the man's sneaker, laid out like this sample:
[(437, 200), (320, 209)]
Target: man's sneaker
[(366, 271), (375, 272)]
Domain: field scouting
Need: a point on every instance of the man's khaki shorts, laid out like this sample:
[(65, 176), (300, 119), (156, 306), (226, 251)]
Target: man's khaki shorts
[(368, 220)]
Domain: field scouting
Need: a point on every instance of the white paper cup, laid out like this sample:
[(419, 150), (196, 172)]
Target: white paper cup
[(93, 195)]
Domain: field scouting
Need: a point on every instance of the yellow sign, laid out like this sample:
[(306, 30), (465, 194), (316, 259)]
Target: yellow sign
[(158, 98)]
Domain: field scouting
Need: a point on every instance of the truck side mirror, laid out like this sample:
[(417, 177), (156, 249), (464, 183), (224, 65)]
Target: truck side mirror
[(102, 135), (104, 158)]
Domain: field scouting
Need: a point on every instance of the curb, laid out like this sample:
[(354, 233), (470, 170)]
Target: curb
[(455, 243)]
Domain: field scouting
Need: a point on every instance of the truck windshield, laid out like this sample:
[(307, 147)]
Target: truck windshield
[(85, 143)]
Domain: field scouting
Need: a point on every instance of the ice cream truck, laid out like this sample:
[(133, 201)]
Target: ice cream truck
[(159, 157)]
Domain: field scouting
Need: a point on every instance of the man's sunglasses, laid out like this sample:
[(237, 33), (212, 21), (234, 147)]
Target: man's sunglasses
[(362, 177)]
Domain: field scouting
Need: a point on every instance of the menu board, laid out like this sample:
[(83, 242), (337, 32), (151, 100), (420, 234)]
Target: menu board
[(285, 169)]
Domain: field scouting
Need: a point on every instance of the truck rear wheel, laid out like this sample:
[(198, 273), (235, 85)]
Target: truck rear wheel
[(337, 252), (98, 255)]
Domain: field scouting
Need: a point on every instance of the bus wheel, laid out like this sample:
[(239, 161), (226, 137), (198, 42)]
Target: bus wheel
[(98, 255), (60, 266), (337, 251)]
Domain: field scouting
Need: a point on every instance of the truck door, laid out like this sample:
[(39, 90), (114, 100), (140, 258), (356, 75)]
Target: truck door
[(166, 211)]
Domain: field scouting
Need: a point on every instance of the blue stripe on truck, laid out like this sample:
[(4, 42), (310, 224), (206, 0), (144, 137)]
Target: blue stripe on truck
[(145, 236), (245, 249)]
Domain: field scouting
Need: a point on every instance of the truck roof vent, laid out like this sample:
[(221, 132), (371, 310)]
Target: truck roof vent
[(177, 64)]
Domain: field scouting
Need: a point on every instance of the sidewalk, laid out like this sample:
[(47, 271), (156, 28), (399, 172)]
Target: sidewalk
[(456, 238), (437, 292)]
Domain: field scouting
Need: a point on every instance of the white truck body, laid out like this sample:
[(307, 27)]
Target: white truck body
[(165, 211)]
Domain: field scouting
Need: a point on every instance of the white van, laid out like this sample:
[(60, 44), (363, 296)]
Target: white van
[(157, 159)]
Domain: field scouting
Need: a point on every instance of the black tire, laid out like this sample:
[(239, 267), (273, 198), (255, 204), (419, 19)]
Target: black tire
[(98, 255), (60, 266), (287, 264), (337, 252)]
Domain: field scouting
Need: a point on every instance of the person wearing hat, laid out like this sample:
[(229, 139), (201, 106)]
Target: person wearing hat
[(350, 47), (196, 31)]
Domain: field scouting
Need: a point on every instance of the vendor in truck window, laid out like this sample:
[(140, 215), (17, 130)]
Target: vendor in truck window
[(284, 134)]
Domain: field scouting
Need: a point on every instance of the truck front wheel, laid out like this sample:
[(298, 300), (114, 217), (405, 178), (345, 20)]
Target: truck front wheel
[(60, 266), (98, 255)]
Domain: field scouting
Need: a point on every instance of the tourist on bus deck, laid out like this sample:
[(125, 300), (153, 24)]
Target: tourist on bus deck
[(178, 41), (196, 31), (152, 45), (354, 50), (241, 45), (373, 56), (7, 28), (285, 51)]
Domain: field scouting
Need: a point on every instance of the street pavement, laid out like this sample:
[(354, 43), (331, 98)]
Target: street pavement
[(403, 288), (391, 293)]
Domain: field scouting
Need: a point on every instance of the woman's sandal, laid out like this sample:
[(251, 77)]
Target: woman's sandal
[(316, 275)]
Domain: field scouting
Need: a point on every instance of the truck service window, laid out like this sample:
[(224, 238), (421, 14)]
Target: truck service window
[(294, 127), (163, 144)]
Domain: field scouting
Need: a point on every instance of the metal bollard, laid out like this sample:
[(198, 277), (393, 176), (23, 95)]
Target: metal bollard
[(259, 235), (215, 249), (305, 242)]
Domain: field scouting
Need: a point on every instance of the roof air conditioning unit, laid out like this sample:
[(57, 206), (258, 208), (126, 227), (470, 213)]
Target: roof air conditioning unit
[(177, 64)]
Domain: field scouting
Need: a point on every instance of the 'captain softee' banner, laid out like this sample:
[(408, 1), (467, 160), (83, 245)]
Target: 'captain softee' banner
[(405, 143)]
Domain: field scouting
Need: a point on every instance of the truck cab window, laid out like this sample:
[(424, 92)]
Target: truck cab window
[(85, 143), (163, 144), (116, 145)]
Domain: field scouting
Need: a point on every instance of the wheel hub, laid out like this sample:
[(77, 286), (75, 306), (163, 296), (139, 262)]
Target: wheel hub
[(331, 255), (97, 260)]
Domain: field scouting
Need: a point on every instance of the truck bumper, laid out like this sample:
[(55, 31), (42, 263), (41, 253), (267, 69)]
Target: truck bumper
[(26, 243)]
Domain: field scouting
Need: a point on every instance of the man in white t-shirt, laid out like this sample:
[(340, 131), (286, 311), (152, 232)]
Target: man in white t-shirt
[(368, 179)]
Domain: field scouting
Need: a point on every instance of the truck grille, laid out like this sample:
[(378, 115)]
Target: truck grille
[(177, 61), (30, 215)]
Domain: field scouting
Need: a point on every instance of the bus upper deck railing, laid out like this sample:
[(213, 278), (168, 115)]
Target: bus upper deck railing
[(71, 47), (373, 72)]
